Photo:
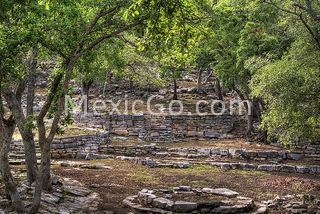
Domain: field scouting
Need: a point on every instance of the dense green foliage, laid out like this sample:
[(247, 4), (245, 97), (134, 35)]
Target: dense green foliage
[(264, 50), (268, 51), (290, 86)]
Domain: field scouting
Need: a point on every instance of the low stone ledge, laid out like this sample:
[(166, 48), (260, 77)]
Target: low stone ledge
[(152, 163), (158, 151), (268, 167), (82, 165)]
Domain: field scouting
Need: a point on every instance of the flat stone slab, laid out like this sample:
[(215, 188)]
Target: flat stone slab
[(83, 165), (221, 192)]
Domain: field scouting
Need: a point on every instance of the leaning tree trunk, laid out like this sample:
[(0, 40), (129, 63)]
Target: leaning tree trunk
[(6, 173), (7, 177), (199, 81), (86, 85), (26, 133), (45, 141)]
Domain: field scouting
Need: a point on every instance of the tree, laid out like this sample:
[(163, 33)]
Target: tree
[(80, 29), (14, 37), (243, 30), (289, 85)]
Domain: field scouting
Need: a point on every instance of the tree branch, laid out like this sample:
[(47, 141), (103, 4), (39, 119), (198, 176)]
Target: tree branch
[(113, 34), (53, 48), (313, 34), (54, 88)]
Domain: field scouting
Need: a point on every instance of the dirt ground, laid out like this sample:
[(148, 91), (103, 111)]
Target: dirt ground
[(127, 179)]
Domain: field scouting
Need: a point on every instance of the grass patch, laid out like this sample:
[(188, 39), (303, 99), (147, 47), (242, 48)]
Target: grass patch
[(248, 172), (144, 177), (70, 131)]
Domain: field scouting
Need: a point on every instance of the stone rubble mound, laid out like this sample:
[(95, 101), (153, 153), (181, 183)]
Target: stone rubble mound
[(68, 196), (163, 201), (226, 201)]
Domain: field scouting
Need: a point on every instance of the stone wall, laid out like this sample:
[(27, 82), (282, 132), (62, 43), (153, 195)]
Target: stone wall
[(70, 147), (256, 155), (170, 128), (79, 147)]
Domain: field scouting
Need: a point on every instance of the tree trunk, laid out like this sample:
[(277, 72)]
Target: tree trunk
[(86, 85), (30, 148), (7, 177), (45, 159), (43, 181), (26, 133), (46, 141), (6, 173), (45, 164), (250, 128), (218, 90), (30, 156), (31, 81), (199, 81), (256, 109), (250, 111), (175, 86)]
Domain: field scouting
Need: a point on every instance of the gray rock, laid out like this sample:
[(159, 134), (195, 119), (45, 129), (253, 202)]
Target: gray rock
[(302, 169), (249, 166), (225, 210), (77, 190), (55, 180), (163, 92), (211, 135), (81, 155), (95, 166), (51, 199), (294, 156), (210, 205), (146, 197), (183, 188), (266, 168), (163, 203), (288, 168), (181, 165), (184, 207), (261, 210), (205, 151), (63, 210), (221, 191)]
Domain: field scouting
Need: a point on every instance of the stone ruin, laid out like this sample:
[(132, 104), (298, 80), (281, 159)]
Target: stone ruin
[(164, 128), (209, 200), (185, 199)]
